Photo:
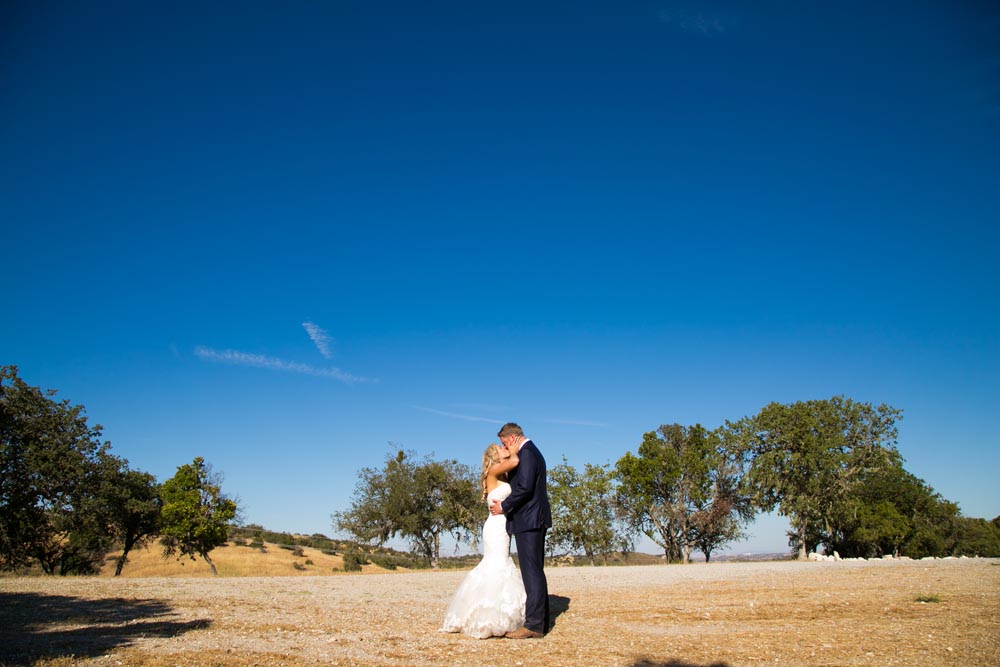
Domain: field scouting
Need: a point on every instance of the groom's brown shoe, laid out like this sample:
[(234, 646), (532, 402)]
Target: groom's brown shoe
[(524, 633)]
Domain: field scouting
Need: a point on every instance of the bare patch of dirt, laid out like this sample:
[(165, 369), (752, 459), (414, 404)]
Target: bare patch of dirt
[(703, 615)]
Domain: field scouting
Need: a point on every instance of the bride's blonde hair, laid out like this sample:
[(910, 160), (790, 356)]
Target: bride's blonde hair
[(490, 458)]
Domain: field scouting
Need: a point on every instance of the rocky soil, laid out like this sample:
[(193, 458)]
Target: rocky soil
[(914, 613)]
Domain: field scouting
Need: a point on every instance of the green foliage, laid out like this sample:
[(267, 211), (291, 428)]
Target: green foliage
[(416, 500), (831, 466), (382, 556), (195, 514), (353, 561), (889, 511), (719, 519), (274, 537), (133, 502), (56, 478), (386, 562), (807, 458), (681, 491), (977, 537), (583, 512)]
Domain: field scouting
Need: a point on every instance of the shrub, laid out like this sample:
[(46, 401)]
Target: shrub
[(384, 562), (298, 566), (297, 551), (353, 561)]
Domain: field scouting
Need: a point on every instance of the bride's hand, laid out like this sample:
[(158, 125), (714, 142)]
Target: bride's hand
[(505, 465)]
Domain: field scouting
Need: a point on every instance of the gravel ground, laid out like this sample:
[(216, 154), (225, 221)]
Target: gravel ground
[(700, 615)]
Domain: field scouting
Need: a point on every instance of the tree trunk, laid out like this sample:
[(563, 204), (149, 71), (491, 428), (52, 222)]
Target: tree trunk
[(124, 557), (120, 564), (208, 560), (802, 541), (436, 558)]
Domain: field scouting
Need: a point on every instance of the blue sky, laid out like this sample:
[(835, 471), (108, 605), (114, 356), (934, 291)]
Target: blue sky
[(282, 237)]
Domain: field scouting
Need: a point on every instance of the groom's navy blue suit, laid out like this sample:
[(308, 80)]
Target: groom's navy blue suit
[(528, 517)]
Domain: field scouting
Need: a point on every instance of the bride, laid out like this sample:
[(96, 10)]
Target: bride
[(490, 600)]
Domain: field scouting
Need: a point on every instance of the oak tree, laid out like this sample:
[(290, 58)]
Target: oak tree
[(808, 457), (196, 513), (51, 462), (584, 517), (419, 501)]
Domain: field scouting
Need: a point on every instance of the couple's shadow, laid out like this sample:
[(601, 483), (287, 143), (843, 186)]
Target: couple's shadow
[(558, 605)]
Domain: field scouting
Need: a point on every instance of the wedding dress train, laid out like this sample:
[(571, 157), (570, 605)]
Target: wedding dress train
[(490, 600)]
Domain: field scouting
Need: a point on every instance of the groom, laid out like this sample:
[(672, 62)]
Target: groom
[(528, 517)]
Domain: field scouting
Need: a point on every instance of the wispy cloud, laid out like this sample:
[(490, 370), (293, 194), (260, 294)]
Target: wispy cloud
[(320, 338), (455, 415), (697, 22), (487, 407), (238, 358), (573, 422)]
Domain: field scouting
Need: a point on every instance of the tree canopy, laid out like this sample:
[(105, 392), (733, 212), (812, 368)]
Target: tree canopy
[(195, 515), (416, 500), (808, 456), (133, 501), (584, 512), (51, 468), (831, 466), (665, 483)]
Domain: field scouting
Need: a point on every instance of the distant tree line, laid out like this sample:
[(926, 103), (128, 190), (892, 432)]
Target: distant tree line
[(831, 467), (66, 501), (255, 536)]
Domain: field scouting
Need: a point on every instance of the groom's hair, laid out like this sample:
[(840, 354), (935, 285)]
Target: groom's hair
[(510, 428)]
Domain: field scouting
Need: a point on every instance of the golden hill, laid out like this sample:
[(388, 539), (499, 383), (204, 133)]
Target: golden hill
[(278, 560), (234, 561)]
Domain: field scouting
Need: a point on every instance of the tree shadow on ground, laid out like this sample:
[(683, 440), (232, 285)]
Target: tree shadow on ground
[(675, 663), (557, 606), (35, 626)]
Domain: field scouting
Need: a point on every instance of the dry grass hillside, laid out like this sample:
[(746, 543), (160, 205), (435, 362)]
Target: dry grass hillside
[(275, 560), (234, 561)]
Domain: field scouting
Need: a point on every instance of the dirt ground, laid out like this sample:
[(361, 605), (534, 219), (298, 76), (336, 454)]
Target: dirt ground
[(919, 613)]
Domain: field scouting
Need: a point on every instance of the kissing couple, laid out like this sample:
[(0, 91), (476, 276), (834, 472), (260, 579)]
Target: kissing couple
[(494, 599)]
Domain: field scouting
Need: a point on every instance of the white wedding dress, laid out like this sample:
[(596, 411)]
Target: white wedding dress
[(490, 600)]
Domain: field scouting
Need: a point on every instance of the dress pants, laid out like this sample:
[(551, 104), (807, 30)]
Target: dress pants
[(531, 556)]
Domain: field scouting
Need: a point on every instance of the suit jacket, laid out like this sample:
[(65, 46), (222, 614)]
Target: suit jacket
[(527, 506)]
